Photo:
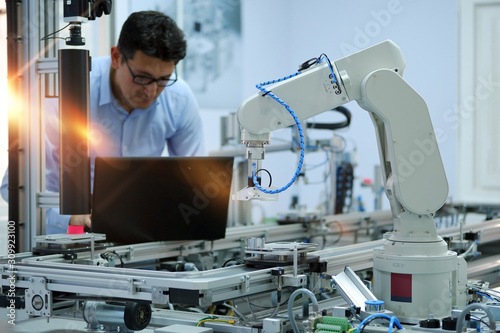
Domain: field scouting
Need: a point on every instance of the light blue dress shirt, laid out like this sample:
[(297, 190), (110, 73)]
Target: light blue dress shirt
[(172, 122)]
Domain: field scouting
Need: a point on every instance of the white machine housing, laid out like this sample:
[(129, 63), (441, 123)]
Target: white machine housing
[(412, 169)]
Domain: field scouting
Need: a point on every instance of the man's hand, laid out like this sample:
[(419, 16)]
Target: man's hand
[(81, 220)]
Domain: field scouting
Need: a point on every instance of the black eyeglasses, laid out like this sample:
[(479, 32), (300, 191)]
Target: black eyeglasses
[(145, 80)]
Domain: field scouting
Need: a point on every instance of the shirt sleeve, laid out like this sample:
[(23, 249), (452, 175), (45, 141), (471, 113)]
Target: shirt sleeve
[(55, 222), (3, 188)]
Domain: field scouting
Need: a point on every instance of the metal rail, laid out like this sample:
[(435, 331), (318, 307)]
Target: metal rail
[(49, 274)]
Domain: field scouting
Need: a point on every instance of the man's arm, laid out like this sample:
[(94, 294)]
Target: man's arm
[(56, 223), (4, 191)]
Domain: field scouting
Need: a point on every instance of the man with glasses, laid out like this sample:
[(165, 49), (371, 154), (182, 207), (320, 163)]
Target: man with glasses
[(138, 105)]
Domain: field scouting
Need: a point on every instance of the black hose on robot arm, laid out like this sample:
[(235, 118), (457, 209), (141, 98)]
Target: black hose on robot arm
[(334, 126)]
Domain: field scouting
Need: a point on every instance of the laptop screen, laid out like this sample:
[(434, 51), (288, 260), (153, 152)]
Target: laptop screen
[(144, 199)]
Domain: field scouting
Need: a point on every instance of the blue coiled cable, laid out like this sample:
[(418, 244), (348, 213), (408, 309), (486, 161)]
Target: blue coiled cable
[(260, 86)]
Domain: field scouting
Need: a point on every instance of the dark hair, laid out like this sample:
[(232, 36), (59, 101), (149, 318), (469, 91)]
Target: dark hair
[(153, 33)]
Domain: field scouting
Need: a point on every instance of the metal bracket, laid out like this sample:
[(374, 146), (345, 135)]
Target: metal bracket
[(38, 298), (159, 295), (290, 280), (245, 283), (131, 287), (131, 253), (249, 193), (206, 299)]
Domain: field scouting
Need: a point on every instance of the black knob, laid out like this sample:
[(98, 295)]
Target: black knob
[(430, 323), (449, 324)]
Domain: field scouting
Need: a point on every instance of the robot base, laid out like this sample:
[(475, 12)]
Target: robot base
[(416, 285)]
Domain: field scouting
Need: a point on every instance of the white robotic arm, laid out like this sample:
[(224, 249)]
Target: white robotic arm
[(414, 270), (413, 172)]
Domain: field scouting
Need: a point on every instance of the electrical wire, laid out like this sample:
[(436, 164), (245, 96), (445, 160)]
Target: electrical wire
[(260, 86), (484, 295), (341, 232), (308, 147), (213, 318), (268, 307), (479, 319), (218, 320), (241, 315), (55, 32), (314, 166), (488, 292), (475, 306), (471, 247), (312, 298), (104, 254), (274, 309), (334, 126), (268, 173), (195, 310), (250, 308), (275, 312), (213, 308), (325, 57), (238, 261), (207, 317), (326, 173)]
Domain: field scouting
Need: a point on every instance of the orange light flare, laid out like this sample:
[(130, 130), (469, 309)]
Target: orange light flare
[(83, 131), (12, 100), (79, 125), (8, 92)]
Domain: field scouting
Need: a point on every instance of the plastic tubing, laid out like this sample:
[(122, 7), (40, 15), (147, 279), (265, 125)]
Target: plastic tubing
[(308, 293), (299, 128), (392, 320), (475, 306)]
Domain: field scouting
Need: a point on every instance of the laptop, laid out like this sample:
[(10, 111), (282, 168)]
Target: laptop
[(145, 199)]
